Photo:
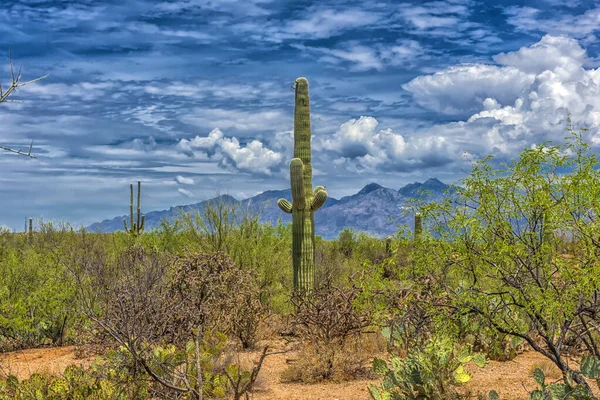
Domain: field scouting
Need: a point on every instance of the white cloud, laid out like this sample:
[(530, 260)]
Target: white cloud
[(376, 56), (252, 158), (185, 192), (581, 26), (459, 90), (522, 101), (554, 53), (238, 119), (319, 23), (359, 146), (183, 180)]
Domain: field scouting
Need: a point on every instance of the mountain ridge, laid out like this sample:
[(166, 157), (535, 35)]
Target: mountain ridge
[(375, 209)]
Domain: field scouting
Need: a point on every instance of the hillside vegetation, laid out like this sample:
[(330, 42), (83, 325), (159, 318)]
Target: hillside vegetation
[(508, 262)]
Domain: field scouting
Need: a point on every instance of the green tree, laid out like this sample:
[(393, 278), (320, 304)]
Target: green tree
[(497, 257)]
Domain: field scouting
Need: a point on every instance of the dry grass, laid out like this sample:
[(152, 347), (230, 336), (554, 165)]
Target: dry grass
[(334, 363), (551, 371)]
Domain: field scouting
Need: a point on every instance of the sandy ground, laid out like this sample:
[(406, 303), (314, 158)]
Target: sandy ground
[(45, 361), (510, 379)]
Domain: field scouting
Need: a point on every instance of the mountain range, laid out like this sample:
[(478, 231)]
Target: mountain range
[(375, 210)]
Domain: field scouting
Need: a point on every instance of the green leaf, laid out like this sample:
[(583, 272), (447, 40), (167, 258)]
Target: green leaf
[(493, 395), (569, 379), (375, 392), (386, 332), (539, 377), (461, 375), (480, 360), (380, 366), (590, 367), (558, 391), (536, 395), (464, 356)]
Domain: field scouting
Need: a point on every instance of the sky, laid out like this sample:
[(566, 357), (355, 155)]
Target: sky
[(194, 97)]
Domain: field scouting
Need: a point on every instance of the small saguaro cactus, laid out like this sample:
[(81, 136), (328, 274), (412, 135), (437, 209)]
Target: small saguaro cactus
[(305, 201), (136, 227), (30, 232), (418, 225)]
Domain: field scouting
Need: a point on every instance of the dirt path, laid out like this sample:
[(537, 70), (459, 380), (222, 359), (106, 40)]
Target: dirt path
[(44, 361), (509, 379)]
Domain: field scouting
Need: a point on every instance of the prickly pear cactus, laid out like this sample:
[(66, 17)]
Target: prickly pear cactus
[(305, 201)]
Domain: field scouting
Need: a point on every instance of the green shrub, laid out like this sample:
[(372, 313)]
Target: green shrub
[(434, 373)]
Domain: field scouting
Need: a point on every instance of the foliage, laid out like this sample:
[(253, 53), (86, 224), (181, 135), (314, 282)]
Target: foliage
[(432, 373), (117, 375), (326, 321), (497, 257)]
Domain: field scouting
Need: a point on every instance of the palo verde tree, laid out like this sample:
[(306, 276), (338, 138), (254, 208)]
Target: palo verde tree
[(305, 201), (519, 246), (5, 93)]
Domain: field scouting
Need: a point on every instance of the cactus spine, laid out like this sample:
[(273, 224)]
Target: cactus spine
[(136, 227), (418, 225), (305, 201)]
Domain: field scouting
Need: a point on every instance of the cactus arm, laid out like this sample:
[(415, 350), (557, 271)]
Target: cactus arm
[(131, 208), (297, 181), (319, 198), (285, 206), (143, 223), (125, 224), (138, 207)]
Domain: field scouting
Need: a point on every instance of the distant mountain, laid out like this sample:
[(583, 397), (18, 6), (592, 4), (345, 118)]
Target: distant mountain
[(375, 210)]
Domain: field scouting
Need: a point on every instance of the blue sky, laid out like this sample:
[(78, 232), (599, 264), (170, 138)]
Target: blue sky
[(194, 96)]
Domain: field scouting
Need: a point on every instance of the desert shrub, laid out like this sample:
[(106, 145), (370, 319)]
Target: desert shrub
[(211, 291), (158, 311), (326, 321), (118, 375), (337, 363), (36, 294), (497, 257), (228, 227)]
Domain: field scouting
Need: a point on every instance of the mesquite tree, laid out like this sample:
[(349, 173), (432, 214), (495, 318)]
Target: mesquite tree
[(519, 248)]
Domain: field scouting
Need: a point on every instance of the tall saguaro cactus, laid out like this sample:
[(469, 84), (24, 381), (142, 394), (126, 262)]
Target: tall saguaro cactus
[(305, 201), (136, 227)]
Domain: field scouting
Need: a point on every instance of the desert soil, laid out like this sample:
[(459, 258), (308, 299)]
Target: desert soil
[(510, 379)]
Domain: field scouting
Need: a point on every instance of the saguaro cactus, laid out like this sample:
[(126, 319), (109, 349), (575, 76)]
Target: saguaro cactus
[(305, 201), (136, 227), (30, 232), (418, 225)]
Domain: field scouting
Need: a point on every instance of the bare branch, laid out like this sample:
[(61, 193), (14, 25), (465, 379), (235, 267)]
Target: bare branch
[(4, 98)]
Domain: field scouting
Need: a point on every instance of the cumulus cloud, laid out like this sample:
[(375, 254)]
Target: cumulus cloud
[(183, 180), (360, 147), (254, 157), (459, 90), (506, 107), (523, 100), (554, 65)]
